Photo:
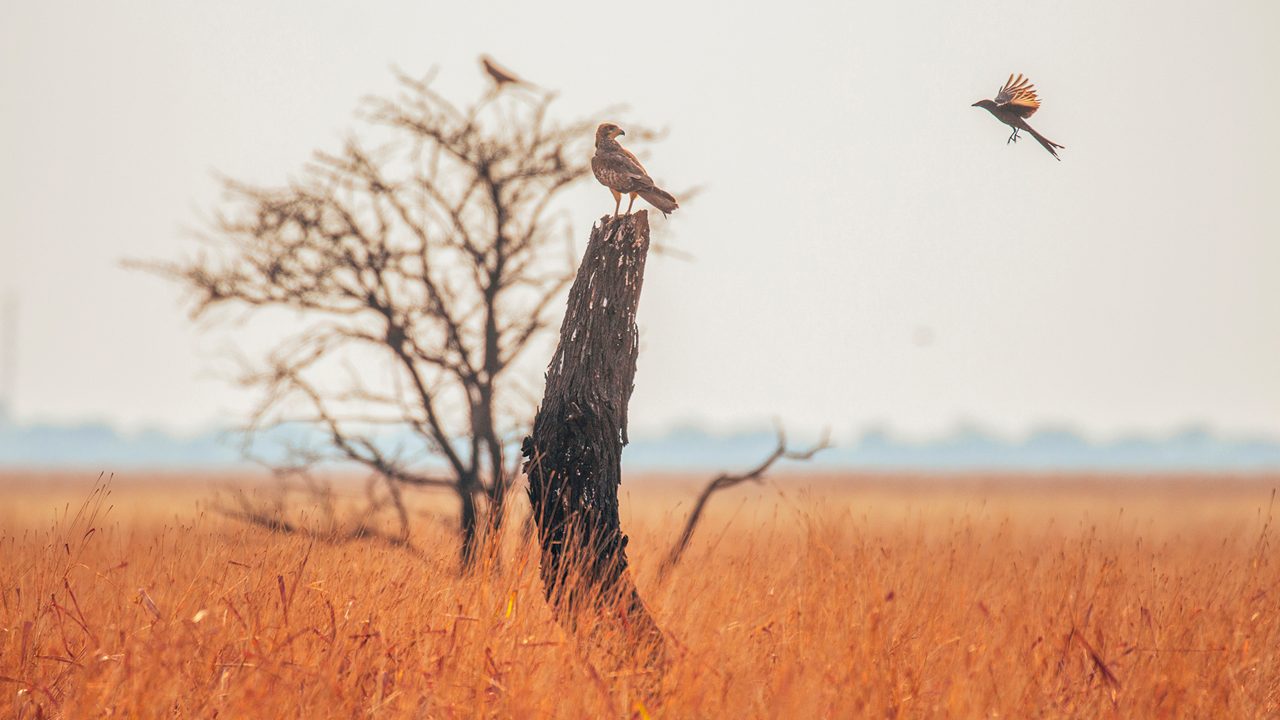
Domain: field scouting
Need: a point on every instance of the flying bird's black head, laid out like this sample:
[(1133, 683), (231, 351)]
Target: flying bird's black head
[(986, 104), (607, 131)]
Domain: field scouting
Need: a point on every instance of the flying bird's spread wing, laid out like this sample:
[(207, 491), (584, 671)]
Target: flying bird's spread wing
[(1019, 97)]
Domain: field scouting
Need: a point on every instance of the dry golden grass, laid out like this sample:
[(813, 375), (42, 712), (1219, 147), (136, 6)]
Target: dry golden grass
[(829, 597)]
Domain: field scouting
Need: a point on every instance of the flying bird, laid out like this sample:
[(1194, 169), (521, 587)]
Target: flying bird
[(620, 171), (501, 76), (1016, 102)]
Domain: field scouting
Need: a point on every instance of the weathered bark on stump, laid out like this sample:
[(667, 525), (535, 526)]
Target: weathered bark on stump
[(575, 451)]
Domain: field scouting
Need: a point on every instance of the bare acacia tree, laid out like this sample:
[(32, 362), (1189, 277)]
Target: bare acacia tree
[(416, 272)]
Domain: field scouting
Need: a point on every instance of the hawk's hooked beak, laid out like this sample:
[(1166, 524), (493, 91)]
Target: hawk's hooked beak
[(621, 131)]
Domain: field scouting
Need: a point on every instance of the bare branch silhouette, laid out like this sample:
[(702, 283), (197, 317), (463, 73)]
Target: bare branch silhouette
[(724, 481)]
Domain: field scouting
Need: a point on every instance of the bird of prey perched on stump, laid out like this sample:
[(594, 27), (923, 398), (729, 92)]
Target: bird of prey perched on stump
[(617, 169), (1015, 103)]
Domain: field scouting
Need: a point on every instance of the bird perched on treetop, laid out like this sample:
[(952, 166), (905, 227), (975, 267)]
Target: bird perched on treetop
[(1016, 102), (501, 76), (620, 171)]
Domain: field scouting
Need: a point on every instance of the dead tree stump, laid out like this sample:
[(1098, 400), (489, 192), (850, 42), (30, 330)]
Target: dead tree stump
[(575, 453)]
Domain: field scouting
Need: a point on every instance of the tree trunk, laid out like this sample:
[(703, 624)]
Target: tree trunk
[(467, 523), (575, 453)]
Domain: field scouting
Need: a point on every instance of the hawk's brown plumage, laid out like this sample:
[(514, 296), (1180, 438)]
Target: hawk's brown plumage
[(620, 171), (1016, 102)]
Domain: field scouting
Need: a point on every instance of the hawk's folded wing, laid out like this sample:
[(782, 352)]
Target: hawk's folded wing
[(1019, 97), (621, 172)]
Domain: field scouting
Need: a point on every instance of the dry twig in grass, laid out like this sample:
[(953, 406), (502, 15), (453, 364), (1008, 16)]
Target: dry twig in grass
[(722, 482), (272, 517)]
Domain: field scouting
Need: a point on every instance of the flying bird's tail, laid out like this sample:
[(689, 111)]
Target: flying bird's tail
[(1046, 143), (659, 198)]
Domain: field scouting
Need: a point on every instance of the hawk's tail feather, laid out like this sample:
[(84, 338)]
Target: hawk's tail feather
[(659, 198)]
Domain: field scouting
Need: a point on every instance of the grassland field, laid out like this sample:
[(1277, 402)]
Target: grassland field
[(807, 596)]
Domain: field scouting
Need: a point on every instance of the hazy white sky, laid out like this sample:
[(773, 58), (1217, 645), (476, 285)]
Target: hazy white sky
[(867, 248)]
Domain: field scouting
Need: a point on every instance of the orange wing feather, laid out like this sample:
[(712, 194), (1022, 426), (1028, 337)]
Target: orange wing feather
[(1019, 96)]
